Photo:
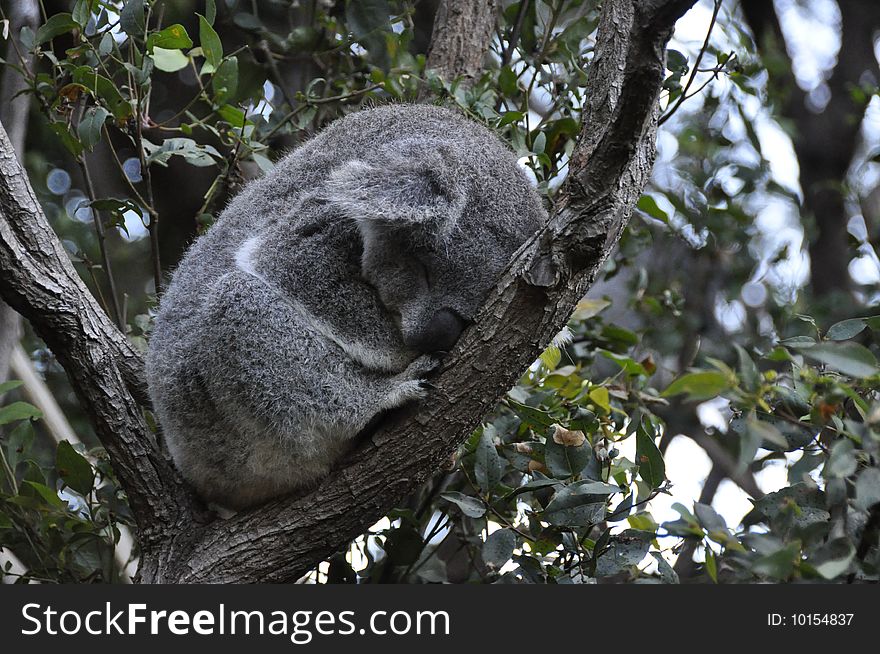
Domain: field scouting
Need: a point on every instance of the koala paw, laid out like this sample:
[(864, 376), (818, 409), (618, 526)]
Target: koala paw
[(411, 383), (425, 366)]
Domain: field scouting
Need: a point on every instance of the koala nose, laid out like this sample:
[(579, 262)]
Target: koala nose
[(438, 335)]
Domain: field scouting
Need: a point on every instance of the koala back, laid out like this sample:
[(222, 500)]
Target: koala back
[(293, 322)]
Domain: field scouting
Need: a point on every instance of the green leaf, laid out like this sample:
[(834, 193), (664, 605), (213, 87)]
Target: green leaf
[(507, 84), (42, 491), (848, 358), (533, 485), (470, 506), (842, 460), (105, 47), (621, 511), (868, 488), (104, 90), (699, 385), (194, 153), (367, 17), (579, 504), (551, 357), (846, 329), (748, 371), (210, 11), (225, 82), (779, 564), (265, 164), (211, 46), (173, 37), (132, 18), (566, 460), (499, 547), (652, 469), (709, 519), (686, 527), (629, 365), (89, 128), (535, 418), (74, 469), (676, 62), (510, 117), (583, 515), (588, 308), (19, 447), (56, 25), (649, 206), (19, 411), (833, 558), (82, 12), (798, 342), (488, 466), (169, 61), (628, 549), (67, 139), (7, 386), (767, 435), (667, 574), (232, 115), (600, 398), (711, 566)]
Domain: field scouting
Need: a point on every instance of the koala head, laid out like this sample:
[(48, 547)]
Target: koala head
[(434, 240)]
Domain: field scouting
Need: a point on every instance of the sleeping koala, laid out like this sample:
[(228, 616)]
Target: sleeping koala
[(325, 293)]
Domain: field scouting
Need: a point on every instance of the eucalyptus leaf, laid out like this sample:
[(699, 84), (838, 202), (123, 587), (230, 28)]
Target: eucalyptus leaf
[(470, 506), (489, 465), (19, 411), (72, 467), (652, 468), (132, 18), (499, 547)]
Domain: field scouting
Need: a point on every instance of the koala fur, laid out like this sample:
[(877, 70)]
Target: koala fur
[(326, 290)]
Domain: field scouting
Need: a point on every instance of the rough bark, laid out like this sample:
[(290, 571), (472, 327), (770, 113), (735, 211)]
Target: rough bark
[(14, 115), (824, 141), (462, 32), (284, 539)]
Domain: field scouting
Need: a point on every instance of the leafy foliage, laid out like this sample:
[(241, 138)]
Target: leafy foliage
[(59, 514)]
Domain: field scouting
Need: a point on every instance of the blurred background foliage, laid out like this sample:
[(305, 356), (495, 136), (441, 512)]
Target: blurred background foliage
[(709, 415)]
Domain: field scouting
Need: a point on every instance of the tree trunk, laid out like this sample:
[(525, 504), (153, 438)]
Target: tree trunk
[(461, 35)]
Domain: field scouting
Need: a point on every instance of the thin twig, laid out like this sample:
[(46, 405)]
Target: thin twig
[(98, 220), (153, 224), (696, 67), (514, 35)]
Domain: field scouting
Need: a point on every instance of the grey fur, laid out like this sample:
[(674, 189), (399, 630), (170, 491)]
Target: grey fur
[(321, 295)]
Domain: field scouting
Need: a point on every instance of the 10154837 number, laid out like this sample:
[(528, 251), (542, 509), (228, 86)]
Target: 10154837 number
[(810, 619)]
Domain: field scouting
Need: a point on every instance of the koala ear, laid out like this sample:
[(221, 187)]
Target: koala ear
[(409, 185)]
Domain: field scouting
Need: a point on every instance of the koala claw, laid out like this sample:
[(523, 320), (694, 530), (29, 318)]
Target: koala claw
[(424, 366)]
